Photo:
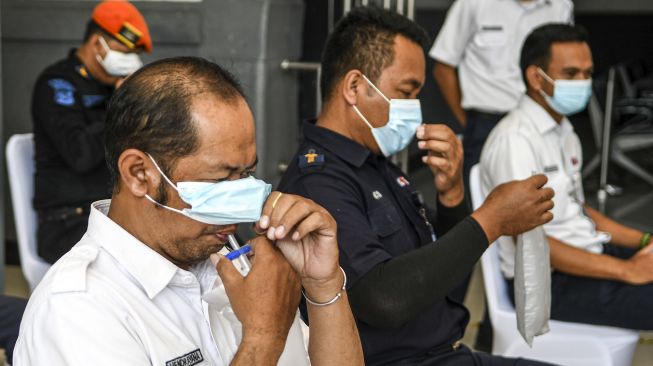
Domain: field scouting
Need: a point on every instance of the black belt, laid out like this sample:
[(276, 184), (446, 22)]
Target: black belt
[(485, 114), (62, 213)]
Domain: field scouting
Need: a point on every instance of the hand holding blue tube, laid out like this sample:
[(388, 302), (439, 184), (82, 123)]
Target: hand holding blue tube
[(238, 252)]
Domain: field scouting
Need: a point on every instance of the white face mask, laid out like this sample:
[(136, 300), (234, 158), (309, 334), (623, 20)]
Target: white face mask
[(404, 117), (569, 96), (118, 63)]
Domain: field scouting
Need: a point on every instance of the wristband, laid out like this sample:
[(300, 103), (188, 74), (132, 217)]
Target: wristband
[(335, 298), (645, 239)]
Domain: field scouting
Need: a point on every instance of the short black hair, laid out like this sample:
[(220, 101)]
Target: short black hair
[(364, 40), (537, 46), (91, 29), (151, 111)]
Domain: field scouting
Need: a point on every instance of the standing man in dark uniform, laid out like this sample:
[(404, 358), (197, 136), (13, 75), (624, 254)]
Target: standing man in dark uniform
[(68, 107), (401, 258)]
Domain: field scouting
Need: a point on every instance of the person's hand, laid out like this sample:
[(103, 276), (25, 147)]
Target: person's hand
[(266, 300), (515, 207), (445, 158), (639, 268), (306, 234)]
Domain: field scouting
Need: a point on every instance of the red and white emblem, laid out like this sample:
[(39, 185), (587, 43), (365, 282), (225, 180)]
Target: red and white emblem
[(402, 181)]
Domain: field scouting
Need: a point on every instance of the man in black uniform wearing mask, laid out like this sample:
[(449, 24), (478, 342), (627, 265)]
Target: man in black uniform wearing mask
[(68, 108), (402, 259)]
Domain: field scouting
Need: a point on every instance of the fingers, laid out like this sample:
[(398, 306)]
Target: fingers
[(314, 222), (537, 180), (295, 216), (268, 207), (546, 217), (435, 132), (437, 162), (227, 271), (547, 205), (547, 194), (443, 147)]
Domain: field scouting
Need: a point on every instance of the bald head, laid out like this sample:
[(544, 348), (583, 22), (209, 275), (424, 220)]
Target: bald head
[(153, 110)]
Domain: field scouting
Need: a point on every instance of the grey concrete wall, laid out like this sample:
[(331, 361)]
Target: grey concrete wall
[(249, 37)]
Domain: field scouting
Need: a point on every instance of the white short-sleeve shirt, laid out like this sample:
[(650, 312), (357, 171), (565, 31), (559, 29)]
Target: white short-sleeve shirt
[(483, 38), (112, 300), (528, 141)]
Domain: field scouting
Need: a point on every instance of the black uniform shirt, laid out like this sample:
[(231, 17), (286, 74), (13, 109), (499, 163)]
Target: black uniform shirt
[(378, 218), (68, 110)]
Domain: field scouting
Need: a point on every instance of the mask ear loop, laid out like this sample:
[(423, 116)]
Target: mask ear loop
[(375, 88), (378, 91), (362, 117), (105, 45), (547, 77), (169, 182), (162, 174), (147, 196)]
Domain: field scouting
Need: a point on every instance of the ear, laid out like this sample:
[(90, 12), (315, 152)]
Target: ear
[(137, 173), (352, 85), (94, 42), (534, 79)]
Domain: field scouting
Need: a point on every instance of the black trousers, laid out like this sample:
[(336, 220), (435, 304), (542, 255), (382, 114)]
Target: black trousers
[(56, 235), (601, 302), (467, 357), (479, 126), (11, 313)]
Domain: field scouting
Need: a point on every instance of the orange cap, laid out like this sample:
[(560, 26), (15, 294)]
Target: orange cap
[(124, 22)]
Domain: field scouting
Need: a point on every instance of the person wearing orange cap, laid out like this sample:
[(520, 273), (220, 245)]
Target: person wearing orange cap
[(69, 103)]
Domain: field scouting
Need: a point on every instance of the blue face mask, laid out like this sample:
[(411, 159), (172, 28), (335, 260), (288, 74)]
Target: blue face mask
[(569, 96), (404, 118), (222, 203)]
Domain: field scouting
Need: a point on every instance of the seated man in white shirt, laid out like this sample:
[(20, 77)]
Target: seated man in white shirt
[(139, 288), (603, 271)]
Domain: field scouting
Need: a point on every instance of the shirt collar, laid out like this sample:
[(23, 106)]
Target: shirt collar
[(541, 119), (344, 147), (148, 267)]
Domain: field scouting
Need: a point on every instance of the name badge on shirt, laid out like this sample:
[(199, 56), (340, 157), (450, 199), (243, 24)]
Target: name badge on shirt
[(189, 359), (491, 28), (550, 169)]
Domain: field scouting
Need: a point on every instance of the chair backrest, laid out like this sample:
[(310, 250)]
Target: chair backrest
[(20, 165), (496, 289)]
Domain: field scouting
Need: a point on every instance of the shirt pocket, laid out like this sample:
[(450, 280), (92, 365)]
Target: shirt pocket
[(491, 42), (384, 220)]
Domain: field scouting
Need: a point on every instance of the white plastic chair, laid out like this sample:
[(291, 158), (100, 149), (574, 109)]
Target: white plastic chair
[(20, 165), (566, 343)]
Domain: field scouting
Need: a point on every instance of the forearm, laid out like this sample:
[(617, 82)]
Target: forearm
[(574, 261), (621, 235), (396, 291), (448, 217), (253, 351), (447, 79), (333, 334)]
